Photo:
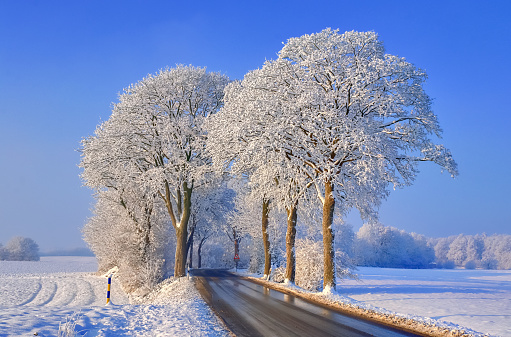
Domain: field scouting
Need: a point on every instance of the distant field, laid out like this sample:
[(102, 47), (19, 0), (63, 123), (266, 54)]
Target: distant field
[(477, 299)]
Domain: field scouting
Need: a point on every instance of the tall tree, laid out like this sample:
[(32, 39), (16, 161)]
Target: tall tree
[(361, 121), (155, 139), (245, 124), (355, 119)]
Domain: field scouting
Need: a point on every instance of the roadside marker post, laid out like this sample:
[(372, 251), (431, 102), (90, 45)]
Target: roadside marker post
[(108, 289)]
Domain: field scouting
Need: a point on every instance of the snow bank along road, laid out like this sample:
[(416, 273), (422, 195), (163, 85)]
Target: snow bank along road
[(36, 296), (249, 309)]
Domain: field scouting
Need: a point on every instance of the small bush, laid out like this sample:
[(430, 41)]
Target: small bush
[(278, 274), (309, 264)]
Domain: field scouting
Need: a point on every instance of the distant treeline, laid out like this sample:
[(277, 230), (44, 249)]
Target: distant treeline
[(69, 252), (379, 246), (20, 249), (473, 251)]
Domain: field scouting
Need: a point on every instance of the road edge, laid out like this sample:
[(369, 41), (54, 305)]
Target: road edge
[(199, 285), (393, 320)]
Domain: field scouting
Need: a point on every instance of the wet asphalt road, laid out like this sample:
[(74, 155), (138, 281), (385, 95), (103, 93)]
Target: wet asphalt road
[(250, 309)]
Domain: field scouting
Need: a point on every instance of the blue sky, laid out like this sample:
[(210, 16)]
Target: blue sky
[(62, 64)]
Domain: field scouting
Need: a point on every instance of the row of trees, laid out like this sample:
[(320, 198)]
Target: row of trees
[(473, 251), (19, 249), (326, 127), (379, 246)]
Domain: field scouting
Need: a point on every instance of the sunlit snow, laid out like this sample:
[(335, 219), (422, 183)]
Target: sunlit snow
[(476, 299), (35, 297)]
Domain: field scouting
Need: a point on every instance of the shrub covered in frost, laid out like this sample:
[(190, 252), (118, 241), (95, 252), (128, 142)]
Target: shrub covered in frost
[(309, 264), (20, 249)]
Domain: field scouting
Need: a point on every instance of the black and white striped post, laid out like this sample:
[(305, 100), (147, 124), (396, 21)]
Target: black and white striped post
[(108, 289)]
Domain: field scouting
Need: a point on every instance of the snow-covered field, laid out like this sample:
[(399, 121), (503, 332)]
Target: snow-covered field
[(476, 299), (35, 297)]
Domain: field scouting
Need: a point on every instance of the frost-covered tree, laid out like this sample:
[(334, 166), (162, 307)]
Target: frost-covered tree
[(251, 155), (422, 253), (120, 238), (3, 253), (247, 219), (22, 249), (441, 247), (458, 250), (363, 118), (251, 217), (356, 119), (345, 238), (474, 251), (155, 140), (211, 206), (389, 247), (497, 252)]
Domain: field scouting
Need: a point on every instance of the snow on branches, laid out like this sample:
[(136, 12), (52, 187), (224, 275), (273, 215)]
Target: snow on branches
[(333, 111), (334, 118), (154, 140)]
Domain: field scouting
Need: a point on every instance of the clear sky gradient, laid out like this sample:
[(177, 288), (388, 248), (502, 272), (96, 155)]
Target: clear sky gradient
[(62, 64)]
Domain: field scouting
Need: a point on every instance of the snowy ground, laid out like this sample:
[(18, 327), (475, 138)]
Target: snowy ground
[(36, 296), (477, 299)]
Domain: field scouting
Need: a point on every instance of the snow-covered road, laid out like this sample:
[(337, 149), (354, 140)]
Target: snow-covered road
[(35, 297)]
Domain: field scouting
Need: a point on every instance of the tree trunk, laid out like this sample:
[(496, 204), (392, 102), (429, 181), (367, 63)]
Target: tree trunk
[(266, 239), (328, 238), (290, 244), (190, 250), (147, 236), (199, 254), (182, 234), (189, 244), (236, 242)]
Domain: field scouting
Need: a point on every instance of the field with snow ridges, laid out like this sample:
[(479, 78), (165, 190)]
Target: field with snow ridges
[(476, 299), (35, 297)]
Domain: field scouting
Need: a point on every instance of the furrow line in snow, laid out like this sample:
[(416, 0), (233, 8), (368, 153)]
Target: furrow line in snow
[(34, 295), (66, 291), (52, 292), (87, 293)]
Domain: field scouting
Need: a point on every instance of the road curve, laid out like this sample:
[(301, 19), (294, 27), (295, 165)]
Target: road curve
[(250, 309)]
